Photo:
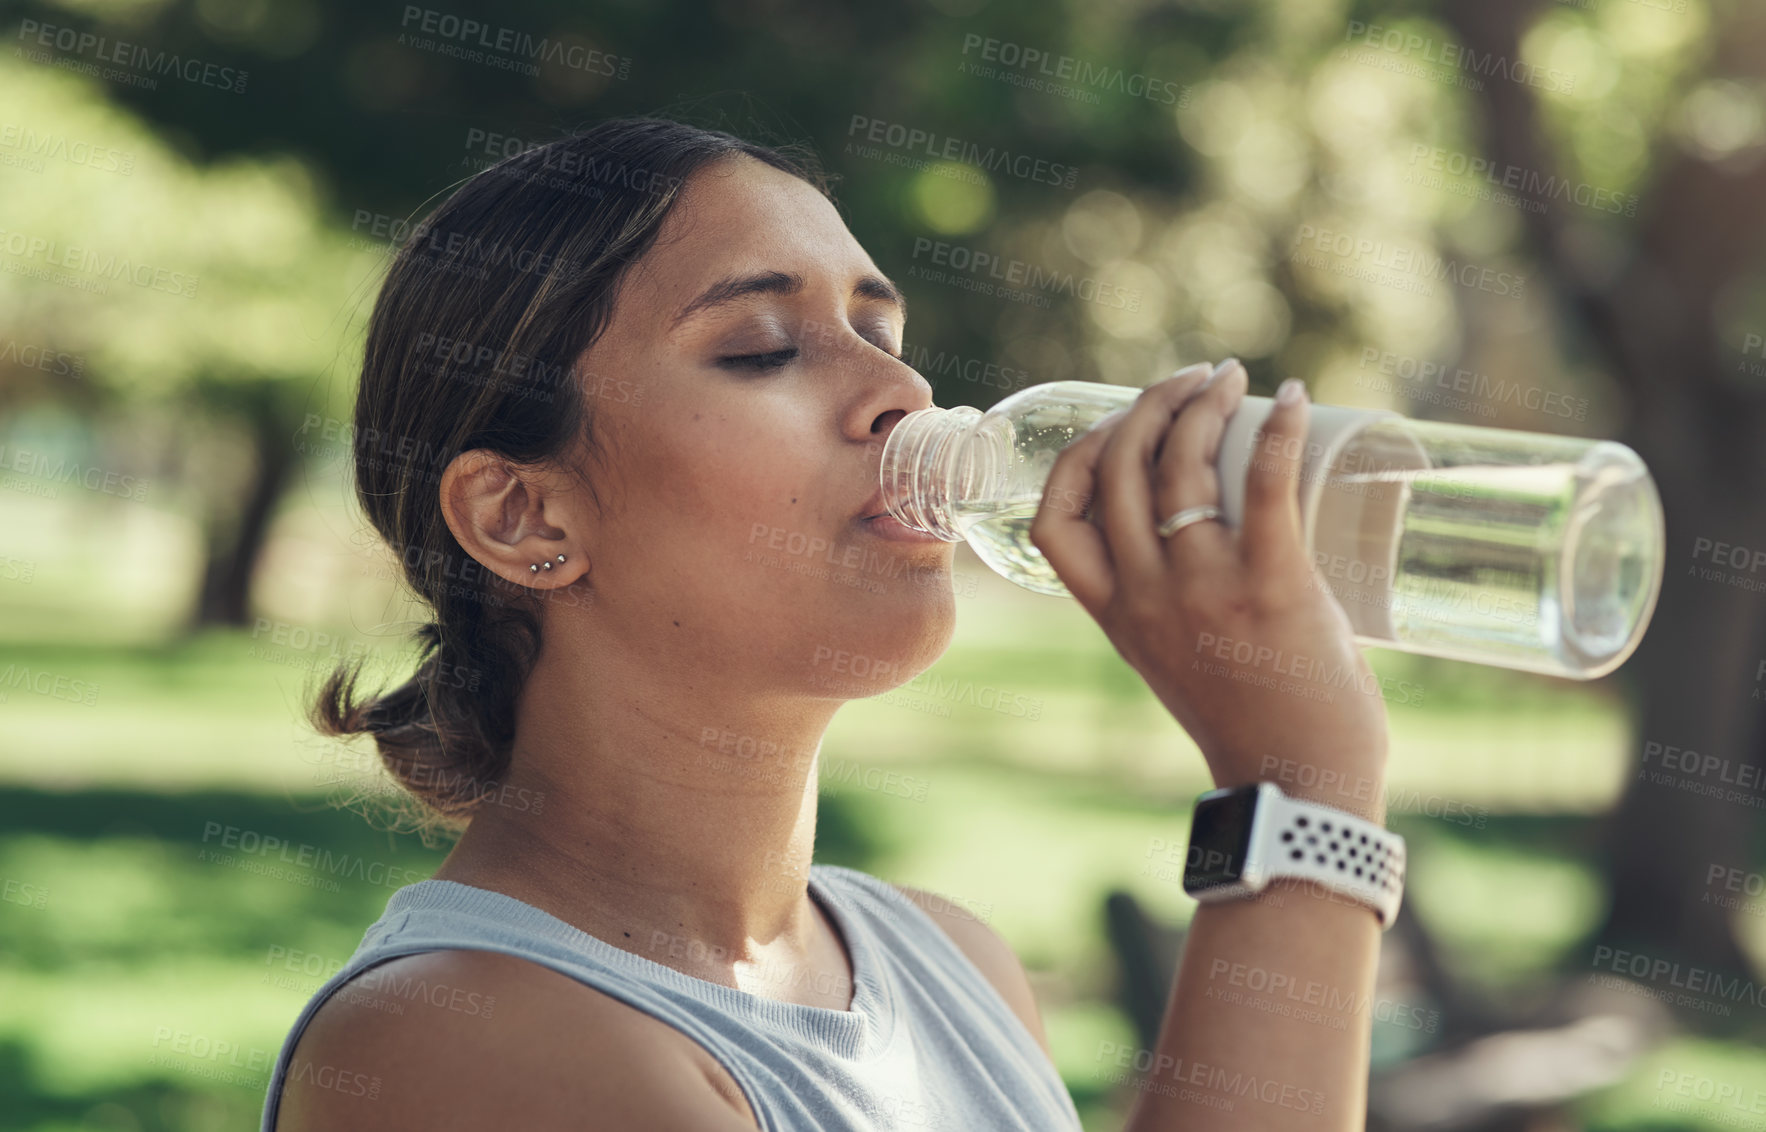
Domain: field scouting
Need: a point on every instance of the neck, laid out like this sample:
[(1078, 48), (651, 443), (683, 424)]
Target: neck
[(654, 813)]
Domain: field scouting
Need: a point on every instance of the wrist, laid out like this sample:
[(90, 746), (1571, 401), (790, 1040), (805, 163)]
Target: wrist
[(1250, 837), (1363, 796), (1298, 892), (1355, 789)]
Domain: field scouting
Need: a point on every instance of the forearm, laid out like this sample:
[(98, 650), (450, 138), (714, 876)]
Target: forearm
[(1268, 1024), (1236, 631)]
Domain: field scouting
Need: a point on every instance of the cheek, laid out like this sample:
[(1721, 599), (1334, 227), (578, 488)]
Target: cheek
[(708, 498), (750, 464), (701, 464)]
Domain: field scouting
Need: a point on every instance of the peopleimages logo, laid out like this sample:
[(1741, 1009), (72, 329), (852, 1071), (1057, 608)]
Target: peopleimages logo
[(1018, 273), (986, 696), (251, 843), (38, 473), (28, 355), (109, 266), (1483, 391), (1686, 978), (510, 41), (926, 143), (1399, 42), (1227, 1085), (74, 151), (133, 56), (1421, 263), (55, 685), (992, 375), (1523, 181), (1069, 69)]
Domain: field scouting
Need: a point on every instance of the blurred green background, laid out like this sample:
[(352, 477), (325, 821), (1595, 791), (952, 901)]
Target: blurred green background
[(196, 202)]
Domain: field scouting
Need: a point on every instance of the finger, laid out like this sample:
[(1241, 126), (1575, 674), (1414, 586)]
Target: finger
[(1125, 469), (1064, 533), (1185, 477), (1270, 532)]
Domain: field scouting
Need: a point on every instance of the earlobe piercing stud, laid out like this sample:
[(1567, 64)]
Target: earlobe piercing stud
[(538, 566)]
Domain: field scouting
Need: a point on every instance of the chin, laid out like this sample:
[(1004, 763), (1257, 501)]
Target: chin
[(884, 641)]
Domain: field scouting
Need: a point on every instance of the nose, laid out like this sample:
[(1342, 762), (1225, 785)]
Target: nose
[(888, 396)]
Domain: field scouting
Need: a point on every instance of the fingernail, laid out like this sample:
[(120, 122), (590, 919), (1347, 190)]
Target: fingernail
[(1223, 367), (1180, 374), (1290, 391)]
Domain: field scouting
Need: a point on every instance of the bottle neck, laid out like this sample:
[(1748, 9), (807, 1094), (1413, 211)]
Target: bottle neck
[(920, 469)]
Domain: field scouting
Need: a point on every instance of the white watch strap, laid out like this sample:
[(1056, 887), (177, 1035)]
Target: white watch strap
[(1313, 842)]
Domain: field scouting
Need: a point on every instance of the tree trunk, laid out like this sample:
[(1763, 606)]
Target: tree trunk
[(1694, 671), (1651, 317), (235, 543)]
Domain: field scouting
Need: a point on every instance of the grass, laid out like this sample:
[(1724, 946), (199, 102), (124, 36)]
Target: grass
[(124, 948)]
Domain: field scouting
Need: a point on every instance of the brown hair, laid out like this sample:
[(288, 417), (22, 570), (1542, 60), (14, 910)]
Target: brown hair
[(474, 342)]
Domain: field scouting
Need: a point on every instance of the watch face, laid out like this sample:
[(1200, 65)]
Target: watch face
[(1220, 839)]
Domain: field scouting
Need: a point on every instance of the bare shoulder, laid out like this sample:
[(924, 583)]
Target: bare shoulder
[(460, 1039), (988, 951)]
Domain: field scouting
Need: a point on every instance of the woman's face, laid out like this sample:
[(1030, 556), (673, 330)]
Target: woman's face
[(740, 397)]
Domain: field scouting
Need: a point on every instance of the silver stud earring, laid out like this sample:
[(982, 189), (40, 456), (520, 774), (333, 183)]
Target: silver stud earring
[(538, 566)]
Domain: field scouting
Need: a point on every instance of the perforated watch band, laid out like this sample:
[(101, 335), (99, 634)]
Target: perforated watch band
[(1350, 855), (1244, 837)]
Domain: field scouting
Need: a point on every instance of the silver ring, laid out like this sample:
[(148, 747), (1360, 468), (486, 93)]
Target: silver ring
[(1187, 516)]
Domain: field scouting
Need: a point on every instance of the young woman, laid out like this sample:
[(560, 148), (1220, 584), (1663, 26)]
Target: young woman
[(603, 385)]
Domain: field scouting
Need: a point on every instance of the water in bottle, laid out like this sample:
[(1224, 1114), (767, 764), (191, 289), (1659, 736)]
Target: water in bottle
[(1518, 549)]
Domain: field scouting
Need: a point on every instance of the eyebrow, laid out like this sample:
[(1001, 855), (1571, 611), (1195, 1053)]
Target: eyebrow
[(783, 283)]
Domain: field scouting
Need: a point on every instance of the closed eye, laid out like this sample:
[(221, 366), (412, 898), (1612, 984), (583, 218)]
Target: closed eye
[(884, 346), (779, 358), (772, 360), (881, 336)]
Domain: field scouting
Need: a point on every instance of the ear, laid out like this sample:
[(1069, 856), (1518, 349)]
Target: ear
[(501, 516)]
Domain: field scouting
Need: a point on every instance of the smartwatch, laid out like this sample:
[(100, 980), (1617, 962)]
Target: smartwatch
[(1244, 837)]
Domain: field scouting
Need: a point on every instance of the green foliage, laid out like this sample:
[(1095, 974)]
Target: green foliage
[(167, 276), (268, 209)]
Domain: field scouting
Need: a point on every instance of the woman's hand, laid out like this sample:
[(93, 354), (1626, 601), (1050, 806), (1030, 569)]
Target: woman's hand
[(1232, 629)]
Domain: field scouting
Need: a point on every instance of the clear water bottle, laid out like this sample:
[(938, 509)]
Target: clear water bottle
[(1516, 549)]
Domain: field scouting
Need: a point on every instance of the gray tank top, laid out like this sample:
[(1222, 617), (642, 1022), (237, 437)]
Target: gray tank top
[(927, 1044)]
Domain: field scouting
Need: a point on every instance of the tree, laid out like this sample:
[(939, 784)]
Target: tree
[(218, 290), (1657, 313), (1193, 205)]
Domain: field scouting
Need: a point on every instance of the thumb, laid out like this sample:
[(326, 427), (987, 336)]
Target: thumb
[(1270, 530)]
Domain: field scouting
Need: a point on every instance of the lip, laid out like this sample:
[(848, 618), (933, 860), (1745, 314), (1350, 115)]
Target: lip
[(889, 527), (874, 506), (875, 518)]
